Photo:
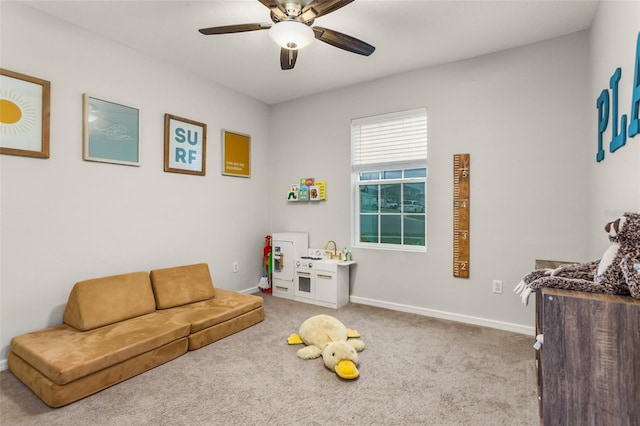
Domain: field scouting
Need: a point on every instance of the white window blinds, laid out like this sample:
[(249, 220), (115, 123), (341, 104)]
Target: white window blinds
[(391, 140)]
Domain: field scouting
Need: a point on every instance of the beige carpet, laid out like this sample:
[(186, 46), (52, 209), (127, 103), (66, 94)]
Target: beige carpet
[(414, 371)]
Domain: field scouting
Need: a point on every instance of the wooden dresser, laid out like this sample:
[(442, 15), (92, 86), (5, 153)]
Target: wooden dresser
[(589, 364)]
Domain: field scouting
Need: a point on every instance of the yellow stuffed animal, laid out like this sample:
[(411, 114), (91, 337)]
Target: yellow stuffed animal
[(325, 336)]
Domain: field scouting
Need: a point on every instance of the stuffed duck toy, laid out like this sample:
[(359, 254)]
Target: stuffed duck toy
[(325, 336)]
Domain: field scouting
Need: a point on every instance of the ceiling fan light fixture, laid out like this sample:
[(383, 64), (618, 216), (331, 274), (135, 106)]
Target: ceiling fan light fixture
[(291, 35)]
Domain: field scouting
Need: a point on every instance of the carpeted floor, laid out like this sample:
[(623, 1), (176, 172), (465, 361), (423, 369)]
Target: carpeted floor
[(415, 370)]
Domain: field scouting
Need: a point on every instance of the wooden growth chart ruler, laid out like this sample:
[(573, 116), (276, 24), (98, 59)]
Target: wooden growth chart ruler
[(461, 177)]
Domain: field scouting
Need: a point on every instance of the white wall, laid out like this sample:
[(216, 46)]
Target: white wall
[(65, 219), (616, 179), (521, 115)]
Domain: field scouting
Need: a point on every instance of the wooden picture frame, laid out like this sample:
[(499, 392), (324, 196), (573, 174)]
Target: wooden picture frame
[(185, 145), (111, 132), (25, 107), (236, 154)]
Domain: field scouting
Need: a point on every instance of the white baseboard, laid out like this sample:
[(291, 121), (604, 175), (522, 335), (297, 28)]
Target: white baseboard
[(516, 328), (3, 365)]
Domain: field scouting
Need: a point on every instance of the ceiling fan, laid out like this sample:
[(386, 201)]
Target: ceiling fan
[(292, 30)]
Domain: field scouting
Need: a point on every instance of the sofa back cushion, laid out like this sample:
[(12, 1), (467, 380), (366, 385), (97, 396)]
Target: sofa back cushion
[(181, 285), (102, 301)]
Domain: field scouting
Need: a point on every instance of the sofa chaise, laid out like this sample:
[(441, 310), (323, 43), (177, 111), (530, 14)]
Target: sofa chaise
[(119, 326)]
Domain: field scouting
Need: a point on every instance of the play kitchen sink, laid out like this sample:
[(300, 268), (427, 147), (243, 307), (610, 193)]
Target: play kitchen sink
[(324, 262), (322, 277), (329, 254)]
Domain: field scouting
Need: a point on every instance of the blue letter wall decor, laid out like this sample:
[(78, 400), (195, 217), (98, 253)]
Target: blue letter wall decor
[(634, 121), (619, 130)]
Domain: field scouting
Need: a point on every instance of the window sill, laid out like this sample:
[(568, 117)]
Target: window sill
[(390, 247)]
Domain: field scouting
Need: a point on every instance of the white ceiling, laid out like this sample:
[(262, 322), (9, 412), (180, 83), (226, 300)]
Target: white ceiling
[(407, 34)]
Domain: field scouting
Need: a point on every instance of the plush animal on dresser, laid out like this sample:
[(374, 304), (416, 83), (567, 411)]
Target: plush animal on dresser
[(325, 336), (617, 272)]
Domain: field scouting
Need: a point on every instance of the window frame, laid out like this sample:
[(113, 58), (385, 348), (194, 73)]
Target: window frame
[(357, 170)]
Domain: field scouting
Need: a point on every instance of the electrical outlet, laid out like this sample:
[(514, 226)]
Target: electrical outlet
[(497, 286), (236, 266)]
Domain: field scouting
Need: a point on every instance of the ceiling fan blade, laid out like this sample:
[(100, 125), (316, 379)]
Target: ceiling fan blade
[(343, 41), (277, 10), (288, 58), (321, 7), (229, 29)]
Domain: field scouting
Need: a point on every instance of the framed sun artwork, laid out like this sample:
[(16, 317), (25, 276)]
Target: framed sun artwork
[(24, 115)]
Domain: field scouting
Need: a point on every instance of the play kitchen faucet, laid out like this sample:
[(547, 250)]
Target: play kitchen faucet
[(335, 253)]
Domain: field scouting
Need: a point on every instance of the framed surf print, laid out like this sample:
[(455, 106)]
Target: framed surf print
[(185, 145)]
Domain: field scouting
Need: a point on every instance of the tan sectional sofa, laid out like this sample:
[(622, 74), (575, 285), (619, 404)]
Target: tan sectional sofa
[(119, 326)]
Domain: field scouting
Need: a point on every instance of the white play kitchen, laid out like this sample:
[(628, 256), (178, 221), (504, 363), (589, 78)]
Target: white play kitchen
[(317, 276)]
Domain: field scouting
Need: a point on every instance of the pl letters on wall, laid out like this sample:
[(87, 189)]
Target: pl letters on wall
[(619, 129)]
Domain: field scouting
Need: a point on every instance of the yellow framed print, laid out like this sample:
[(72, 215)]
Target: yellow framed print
[(24, 114), (236, 154)]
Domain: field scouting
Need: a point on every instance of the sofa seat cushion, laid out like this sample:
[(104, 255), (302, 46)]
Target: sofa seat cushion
[(64, 354), (102, 301), (224, 329), (55, 395), (224, 306), (181, 285)]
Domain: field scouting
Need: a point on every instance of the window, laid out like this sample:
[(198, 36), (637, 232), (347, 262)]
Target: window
[(389, 172)]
